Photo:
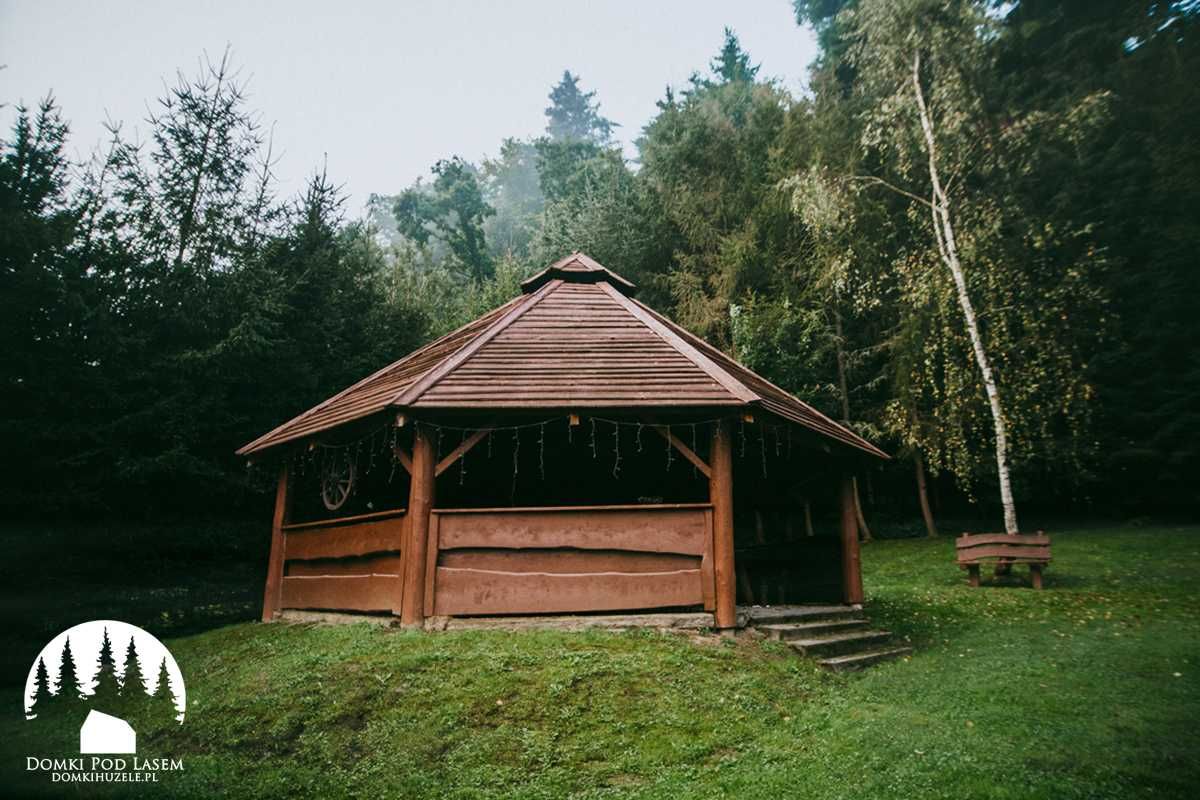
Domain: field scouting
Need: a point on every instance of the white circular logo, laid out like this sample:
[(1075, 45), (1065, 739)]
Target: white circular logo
[(108, 676)]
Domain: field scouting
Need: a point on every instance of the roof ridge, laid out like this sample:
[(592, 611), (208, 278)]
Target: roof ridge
[(664, 330), (411, 393), (384, 370)]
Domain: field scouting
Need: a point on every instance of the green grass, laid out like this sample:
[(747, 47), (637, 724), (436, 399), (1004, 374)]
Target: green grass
[(1088, 689)]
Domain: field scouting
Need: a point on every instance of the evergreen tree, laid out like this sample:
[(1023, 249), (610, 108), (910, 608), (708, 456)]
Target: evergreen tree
[(67, 691), (133, 689), (733, 63), (574, 115), (44, 314), (41, 699), (511, 186), (107, 688), (163, 702), (707, 163)]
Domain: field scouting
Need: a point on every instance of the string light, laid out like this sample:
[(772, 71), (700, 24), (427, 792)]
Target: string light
[(319, 455), (617, 449), (462, 460), (670, 448), (762, 446), (542, 450), (695, 471), (516, 461)]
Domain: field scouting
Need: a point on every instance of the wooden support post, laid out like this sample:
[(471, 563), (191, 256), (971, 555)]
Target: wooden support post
[(851, 566), (1035, 575), (420, 501), (272, 593), (720, 492), (973, 575)]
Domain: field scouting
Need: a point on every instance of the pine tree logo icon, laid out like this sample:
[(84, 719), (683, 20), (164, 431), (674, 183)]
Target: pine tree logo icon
[(105, 679)]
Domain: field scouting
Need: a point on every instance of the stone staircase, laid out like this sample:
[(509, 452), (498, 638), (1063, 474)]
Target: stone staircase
[(839, 637)]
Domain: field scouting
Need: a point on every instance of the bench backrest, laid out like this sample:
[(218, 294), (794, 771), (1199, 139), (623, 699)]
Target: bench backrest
[(1026, 546)]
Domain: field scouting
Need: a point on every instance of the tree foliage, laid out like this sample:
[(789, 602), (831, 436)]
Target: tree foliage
[(163, 305)]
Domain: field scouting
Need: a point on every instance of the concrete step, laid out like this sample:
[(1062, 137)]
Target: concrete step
[(771, 615), (865, 658), (810, 630), (840, 643)]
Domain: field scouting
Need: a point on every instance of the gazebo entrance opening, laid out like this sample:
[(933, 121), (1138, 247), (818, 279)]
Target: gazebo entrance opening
[(787, 548)]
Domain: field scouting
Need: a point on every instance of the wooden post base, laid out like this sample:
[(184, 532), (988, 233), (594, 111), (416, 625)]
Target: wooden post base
[(1035, 574), (973, 575)]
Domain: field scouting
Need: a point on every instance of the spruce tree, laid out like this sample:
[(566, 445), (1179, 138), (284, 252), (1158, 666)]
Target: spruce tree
[(41, 699), (163, 706), (574, 115), (733, 63), (107, 689), (133, 683), (68, 692)]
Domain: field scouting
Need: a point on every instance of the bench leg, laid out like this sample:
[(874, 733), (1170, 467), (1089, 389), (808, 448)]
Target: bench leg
[(973, 574), (1035, 572)]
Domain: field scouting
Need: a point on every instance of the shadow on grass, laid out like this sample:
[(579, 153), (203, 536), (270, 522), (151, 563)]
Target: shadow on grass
[(171, 579)]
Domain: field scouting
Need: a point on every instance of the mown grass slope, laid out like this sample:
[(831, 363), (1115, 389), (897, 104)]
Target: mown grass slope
[(1090, 688)]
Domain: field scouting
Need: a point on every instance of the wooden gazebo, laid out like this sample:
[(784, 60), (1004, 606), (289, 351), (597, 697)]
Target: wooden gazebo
[(572, 451)]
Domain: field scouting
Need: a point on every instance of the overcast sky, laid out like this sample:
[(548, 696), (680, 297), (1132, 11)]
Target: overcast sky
[(383, 88)]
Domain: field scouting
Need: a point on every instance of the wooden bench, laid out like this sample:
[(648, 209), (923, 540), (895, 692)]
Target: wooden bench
[(1032, 549)]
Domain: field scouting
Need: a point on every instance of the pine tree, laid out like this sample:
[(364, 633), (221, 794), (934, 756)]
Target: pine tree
[(41, 690), (574, 115), (133, 683), (733, 63), (163, 701), (107, 688), (68, 692)]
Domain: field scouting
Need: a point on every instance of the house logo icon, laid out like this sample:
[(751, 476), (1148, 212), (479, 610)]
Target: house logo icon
[(101, 684), (102, 733)]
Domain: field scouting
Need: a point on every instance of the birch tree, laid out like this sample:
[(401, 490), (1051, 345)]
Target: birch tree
[(985, 308), (943, 230)]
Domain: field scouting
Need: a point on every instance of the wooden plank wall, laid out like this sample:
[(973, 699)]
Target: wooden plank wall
[(562, 560), (352, 564)]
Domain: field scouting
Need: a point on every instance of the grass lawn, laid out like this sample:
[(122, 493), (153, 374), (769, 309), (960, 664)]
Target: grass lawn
[(1088, 689)]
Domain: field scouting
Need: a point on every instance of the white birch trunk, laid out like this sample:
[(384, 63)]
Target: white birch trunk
[(947, 247)]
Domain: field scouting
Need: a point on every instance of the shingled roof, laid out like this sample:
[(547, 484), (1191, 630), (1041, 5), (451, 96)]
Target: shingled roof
[(575, 339)]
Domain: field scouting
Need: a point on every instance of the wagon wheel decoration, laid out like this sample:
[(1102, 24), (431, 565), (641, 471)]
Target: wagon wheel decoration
[(337, 482)]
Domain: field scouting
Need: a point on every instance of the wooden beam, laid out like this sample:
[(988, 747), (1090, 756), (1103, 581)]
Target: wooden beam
[(272, 592), (404, 458), (852, 589), (684, 450), (461, 450), (720, 490), (431, 561), (420, 502), (478, 591)]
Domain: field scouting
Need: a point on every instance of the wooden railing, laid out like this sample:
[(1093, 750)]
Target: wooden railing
[(567, 559), (349, 563)]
